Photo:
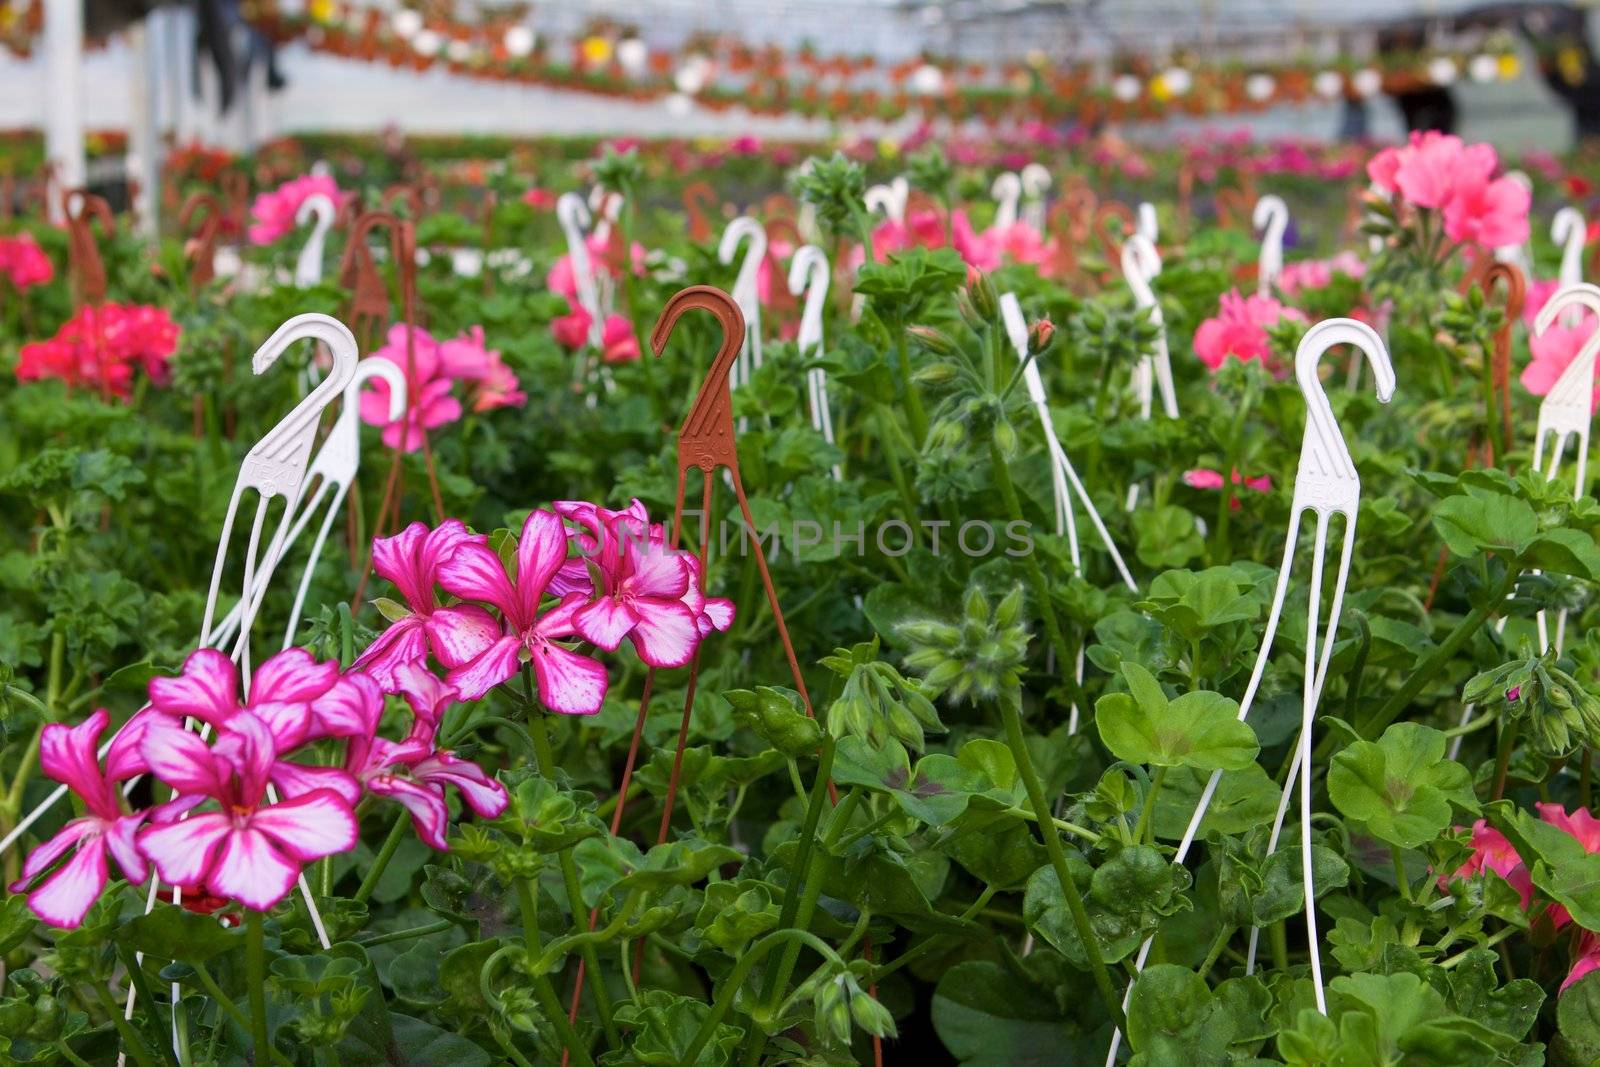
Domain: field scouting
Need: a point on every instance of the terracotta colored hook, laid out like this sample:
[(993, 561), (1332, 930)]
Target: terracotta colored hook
[(1516, 292), (236, 187), (83, 254), (1112, 209), (1233, 208), (699, 198), (410, 193), (201, 249)]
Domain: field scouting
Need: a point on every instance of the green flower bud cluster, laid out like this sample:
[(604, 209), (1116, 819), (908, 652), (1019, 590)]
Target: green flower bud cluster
[(877, 701), (976, 658), (1556, 712)]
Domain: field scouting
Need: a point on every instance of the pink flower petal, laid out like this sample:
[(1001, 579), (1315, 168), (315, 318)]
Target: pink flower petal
[(486, 797), (460, 633), (296, 780), (568, 683), (541, 550), (208, 689), (666, 635), (309, 827), (251, 871), (352, 706), (293, 674), (67, 895), (430, 816), (605, 622), (183, 851), (180, 759), (403, 642), (41, 858), (474, 572), (497, 663)]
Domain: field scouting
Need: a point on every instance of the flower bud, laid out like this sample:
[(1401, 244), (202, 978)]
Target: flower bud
[(985, 300), (934, 340), (872, 1016), (1041, 335)]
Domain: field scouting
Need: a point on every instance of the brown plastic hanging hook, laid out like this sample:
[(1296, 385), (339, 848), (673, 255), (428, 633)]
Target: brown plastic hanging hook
[(698, 198), (1109, 243), (201, 248), (1516, 291), (83, 254)]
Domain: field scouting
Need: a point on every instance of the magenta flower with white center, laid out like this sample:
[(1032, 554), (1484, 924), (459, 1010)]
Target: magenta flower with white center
[(570, 683), (245, 849), (641, 599), (67, 754), (411, 560), (298, 698)]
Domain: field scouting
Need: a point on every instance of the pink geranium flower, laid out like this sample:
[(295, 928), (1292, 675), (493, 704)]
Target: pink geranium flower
[(1318, 273), (641, 593), (618, 343), (1491, 851), (1203, 478), (246, 849), (467, 358), (1492, 213), (100, 346), (413, 773), (429, 402), (710, 612), (24, 262), (1239, 329), (980, 250), (273, 213), (569, 683), (411, 560), (1553, 352), (67, 754)]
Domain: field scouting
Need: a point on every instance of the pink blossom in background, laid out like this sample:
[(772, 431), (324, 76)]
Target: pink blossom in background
[(273, 213), (248, 850), (539, 199), (618, 343), (100, 346), (1239, 329), (980, 250), (1553, 351), (467, 358), (411, 560), (1204, 478), (1318, 273), (1539, 292), (67, 754), (1491, 213), (745, 145), (568, 682), (429, 401), (571, 330), (1587, 951), (1491, 851), (1020, 243), (24, 262)]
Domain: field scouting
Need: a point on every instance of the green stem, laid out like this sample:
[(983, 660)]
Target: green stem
[(1400, 872), (915, 414), (256, 954), (793, 892), (735, 982), (225, 1004), (1502, 759), (70, 1056), (407, 934), (1147, 813), (813, 886), (1217, 945), (543, 991), (397, 833), (131, 1041), (569, 876), (1041, 587), (1429, 669), (1011, 712)]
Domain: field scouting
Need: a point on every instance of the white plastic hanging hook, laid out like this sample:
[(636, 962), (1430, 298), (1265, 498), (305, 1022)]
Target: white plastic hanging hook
[(574, 218), (607, 206), (1569, 231), (746, 291), (1007, 192), (1036, 181), (1272, 215), (1326, 482), (1147, 226), (1140, 263), (891, 199), (308, 268), (809, 275)]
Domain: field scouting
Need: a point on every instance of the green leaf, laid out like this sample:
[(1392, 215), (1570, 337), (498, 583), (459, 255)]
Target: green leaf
[(1557, 862), (987, 1015), (665, 1023), (1401, 786), (1199, 729), (1578, 1022), (422, 1044), (1174, 1019), (173, 933), (1166, 536), (1472, 524)]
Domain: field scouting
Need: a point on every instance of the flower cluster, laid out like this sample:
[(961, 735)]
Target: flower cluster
[(610, 577), (1491, 851), (1438, 171), (1239, 329), (272, 215), (1205, 478), (983, 250), (1318, 273), (100, 346), (618, 343), (432, 368), (23, 262), (244, 817), (1555, 349)]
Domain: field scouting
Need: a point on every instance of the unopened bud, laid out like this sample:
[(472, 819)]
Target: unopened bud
[(1040, 336), (934, 340)]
